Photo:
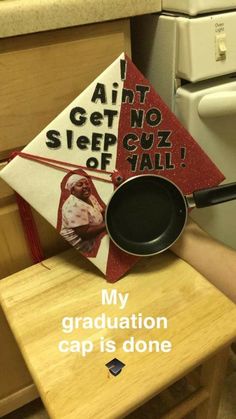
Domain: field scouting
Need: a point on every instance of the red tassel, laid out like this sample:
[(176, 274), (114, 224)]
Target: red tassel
[(30, 229), (29, 226)]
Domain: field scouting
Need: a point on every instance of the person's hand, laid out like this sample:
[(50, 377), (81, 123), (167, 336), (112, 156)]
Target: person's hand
[(212, 259)]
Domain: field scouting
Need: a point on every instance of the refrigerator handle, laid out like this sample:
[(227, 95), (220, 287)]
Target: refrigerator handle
[(217, 104)]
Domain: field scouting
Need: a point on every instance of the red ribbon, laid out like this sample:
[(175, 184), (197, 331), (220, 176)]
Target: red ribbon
[(116, 177)]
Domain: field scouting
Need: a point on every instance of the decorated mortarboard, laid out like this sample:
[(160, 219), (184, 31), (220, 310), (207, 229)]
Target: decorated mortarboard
[(116, 128)]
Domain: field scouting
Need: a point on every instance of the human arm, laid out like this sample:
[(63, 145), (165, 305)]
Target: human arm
[(87, 231), (212, 259)]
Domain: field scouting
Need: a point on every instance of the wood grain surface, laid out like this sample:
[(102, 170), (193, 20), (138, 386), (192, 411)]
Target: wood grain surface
[(201, 323)]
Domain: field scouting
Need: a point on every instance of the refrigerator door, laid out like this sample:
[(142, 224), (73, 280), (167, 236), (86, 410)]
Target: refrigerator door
[(208, 111), (195, 7)]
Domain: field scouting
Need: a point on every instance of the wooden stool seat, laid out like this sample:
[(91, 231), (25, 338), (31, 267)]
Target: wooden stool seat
[(201, 326)]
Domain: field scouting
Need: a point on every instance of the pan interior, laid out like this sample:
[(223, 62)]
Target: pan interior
[(145, 215)]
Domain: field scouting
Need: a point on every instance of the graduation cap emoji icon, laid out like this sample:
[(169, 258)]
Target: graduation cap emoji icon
[(115, 366)]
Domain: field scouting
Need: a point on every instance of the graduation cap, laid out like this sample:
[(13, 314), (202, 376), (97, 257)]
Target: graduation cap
[(117, 127), (115, 366)]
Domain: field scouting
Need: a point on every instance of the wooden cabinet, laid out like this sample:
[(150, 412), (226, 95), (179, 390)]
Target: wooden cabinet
[(40, 74)]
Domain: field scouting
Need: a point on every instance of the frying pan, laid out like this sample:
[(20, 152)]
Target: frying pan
[(147, 213)]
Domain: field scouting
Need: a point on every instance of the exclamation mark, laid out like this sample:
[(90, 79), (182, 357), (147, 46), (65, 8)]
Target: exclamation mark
[(123, 66), (183, 156)]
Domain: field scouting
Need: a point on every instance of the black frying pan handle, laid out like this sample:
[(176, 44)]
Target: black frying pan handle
[(213, 196)]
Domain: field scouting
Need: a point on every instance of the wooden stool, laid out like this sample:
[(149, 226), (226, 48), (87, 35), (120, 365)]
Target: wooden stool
[(201, 326)]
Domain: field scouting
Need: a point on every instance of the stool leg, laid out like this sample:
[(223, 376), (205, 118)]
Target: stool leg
[(212, 377)]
